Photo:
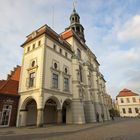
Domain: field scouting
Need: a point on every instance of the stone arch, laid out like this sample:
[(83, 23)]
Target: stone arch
[(24, 103), (67, 111), (28, 112), (51, 107), (56, 100)]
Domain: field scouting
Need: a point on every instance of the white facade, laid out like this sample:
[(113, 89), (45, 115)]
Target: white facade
[(128, 106), (60, 81)]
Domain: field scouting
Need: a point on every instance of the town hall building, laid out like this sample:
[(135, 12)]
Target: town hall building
[(60, 81)]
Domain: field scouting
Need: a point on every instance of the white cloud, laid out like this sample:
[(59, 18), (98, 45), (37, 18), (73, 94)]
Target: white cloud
[(130, 30), (109, 28)]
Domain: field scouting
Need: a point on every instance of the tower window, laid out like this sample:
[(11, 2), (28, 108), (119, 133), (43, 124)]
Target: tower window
[(55, 65), (66, 71), (31, 79), (55, 81), (76, 19), (78, 29), (66, 83), (73, 19), (33, 63)]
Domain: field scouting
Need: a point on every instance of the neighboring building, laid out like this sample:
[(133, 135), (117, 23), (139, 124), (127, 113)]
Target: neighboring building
[(9, 98), (128, 103), (60, 80)]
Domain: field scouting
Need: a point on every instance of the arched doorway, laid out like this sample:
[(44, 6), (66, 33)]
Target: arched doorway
[(31, 108), (66, 112), (50, 112)]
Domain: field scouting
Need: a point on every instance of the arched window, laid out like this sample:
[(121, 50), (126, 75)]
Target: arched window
[(55, 65), (66, 71), (33, 63)]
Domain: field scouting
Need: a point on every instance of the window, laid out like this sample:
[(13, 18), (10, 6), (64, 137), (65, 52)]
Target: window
[(28, 49), (55, 81), (134, 99), (136, 110), (123, 110), (55, 65), (60, 51), (80, 74), (66, 83), (129, 110), (73, 19), (31, 79), (33, 63), (66, 54), (127, 99), (66, 70), (122, 100), (33, 46), (78, 53), (54, 47), (78, 29), (39, 43)]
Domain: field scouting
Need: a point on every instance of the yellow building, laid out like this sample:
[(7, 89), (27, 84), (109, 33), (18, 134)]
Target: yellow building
[(128, 103), (60, 80)]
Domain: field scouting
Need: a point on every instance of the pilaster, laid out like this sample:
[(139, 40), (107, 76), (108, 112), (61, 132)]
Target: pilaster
[(40, 117)]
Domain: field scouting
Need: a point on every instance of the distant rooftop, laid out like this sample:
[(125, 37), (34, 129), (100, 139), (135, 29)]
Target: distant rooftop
[(126, 92)]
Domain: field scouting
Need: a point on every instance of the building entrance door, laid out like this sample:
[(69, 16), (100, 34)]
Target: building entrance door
[(6, 114)]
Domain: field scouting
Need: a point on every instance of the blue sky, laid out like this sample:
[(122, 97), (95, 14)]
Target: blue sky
[(112, 31)]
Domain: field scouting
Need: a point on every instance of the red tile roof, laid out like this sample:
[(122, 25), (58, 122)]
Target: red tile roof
[(10, 86), (69, 33), (2, 82), (126, 92), (51, 33), (15, 75)]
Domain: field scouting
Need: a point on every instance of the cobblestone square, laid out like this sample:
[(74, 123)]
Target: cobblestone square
[(120, 129)]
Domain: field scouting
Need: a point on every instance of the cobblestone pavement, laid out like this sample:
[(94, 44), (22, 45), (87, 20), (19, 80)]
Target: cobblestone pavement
[(120, 129)]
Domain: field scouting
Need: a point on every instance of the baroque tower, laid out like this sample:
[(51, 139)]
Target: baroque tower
[(76, 26)]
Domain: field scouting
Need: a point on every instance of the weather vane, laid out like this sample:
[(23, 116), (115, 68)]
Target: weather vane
[(74, 4)]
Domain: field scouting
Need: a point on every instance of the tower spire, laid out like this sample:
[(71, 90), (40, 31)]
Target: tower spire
[(74, 5), (75, 23)]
